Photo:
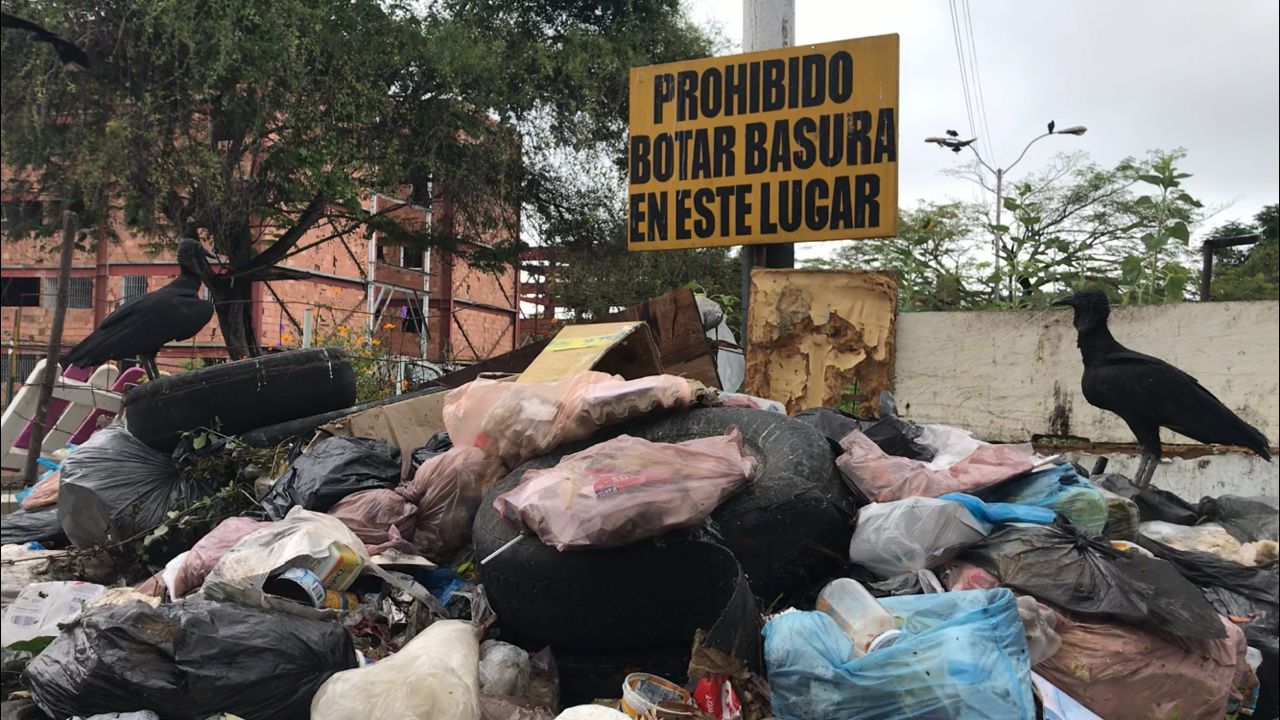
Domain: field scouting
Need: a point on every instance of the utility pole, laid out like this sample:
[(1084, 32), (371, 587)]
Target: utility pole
[(70, 222), (766, 25)]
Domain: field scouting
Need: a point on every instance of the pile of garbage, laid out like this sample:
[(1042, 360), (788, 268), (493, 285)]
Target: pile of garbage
[(597, 546)]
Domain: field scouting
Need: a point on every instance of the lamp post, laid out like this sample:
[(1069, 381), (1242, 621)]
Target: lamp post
[(953, 143)]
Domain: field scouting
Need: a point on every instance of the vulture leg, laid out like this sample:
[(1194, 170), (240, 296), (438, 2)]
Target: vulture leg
[(1142, 468), (149, 364), (1147, 469)]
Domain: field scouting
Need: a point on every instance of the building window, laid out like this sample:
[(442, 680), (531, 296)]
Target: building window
[(411, 319), (411, 258), (79, 293), (20, 292), (132, 287), (22, 216)]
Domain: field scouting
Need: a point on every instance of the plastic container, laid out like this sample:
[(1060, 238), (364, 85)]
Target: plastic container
[(301, 585), (857, 613), (641, 693)]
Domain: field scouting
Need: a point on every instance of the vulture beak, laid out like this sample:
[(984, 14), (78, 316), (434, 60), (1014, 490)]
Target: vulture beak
[(1068, 301)]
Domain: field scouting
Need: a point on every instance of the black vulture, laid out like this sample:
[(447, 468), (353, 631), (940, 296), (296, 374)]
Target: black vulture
[(1149, 393), (140, 328), (67, 50)]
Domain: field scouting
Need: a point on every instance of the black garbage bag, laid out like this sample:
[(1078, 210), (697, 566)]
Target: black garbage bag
[(1081, 572), (115, 487), (188, 660), (1153, 503), (892, 434), (439, 443), (335, 468), (1247, 519), (42, 526), (1238, 591)]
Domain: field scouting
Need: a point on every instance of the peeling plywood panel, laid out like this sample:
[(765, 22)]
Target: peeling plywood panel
[(1010, 375), (817, 337)]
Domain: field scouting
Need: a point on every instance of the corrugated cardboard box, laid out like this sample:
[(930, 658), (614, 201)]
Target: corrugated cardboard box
[(625, 349)]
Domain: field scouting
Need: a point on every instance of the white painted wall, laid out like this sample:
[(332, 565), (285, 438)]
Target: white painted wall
[(1002, 374)]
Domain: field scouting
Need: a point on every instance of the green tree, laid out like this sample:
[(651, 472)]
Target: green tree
[(1251, 273), (253, 124), (1072, 224)]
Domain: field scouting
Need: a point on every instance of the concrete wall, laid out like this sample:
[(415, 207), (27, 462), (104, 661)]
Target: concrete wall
[(1008, 376)]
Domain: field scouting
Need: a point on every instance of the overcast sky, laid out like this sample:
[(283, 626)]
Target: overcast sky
[(1141, 75)]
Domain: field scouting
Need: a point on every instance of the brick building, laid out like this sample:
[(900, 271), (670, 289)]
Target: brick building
[(419, 306)]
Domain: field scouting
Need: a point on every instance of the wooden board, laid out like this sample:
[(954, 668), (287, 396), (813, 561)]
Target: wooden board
[(821, 338)]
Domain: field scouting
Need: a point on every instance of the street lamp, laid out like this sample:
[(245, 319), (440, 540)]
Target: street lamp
[(953, 143)]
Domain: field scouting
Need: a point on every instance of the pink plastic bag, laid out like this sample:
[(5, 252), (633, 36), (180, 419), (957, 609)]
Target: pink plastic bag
[(448, 489), (208, 551), (960, 575), (884, 478), (1119, 671), (381, 518), (518, 421), (628, 489), (44, 492)]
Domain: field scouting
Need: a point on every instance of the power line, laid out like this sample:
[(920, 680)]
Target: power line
[(977, 77), (964, 75)]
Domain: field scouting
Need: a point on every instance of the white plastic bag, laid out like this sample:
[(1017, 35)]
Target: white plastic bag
[(434, 677), (305, 539), (39, 608), (1210, 538), (912, 535), (504, 669), (1038, 621)]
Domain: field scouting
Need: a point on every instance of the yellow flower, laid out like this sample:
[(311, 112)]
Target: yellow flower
[(374, 341), (388, 326), (342, 330), (286, 338)]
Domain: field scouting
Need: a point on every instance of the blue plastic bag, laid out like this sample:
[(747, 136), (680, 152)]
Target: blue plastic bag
[(961, 656), (1061, 490), (995, 513)]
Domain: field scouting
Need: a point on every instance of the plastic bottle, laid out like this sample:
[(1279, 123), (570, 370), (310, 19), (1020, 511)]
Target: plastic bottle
[(861, 617)]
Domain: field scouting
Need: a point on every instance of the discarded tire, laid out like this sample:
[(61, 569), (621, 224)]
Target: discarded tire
[(240, 396), (788, 527)]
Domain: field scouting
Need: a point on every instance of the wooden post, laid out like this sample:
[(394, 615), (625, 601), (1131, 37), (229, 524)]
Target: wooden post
[(13, 352), (70, 223)]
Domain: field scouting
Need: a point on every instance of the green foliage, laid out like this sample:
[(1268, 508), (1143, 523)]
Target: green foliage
[(1253, 272), (1073, 224), (261, 126)]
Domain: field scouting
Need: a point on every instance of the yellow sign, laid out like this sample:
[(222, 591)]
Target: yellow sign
[(787, 145)]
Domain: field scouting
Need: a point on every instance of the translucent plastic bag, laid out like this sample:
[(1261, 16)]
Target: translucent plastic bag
[(434, 676), (1061, 490), (200, 559), (1210, 538), (628, 489), (447, 490), (911, 535), (881, 477), (1120, 671), (304, 539), (1038, 621), (518, 421), (961, 656), (381, 518), (44, 493)]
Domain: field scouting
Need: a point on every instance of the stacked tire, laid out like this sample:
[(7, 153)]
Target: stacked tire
[(608, 611), (240, 396)]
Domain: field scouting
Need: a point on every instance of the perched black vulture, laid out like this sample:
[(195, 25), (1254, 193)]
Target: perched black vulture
[(1149, 393), (140, 328), (67, 50)]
